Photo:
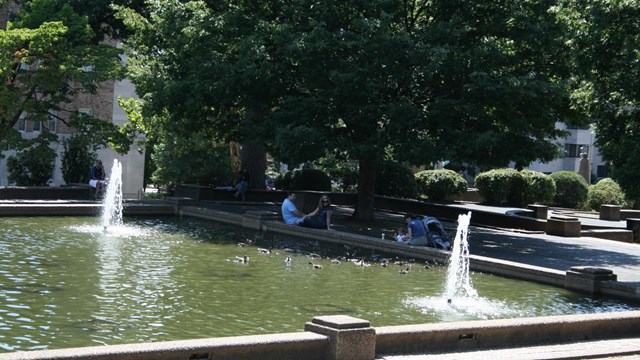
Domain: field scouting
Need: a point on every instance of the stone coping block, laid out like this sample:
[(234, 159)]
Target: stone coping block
[(633, 224), (539, 211), (610, 212), (587, 279), (566, 226), (349, 337)]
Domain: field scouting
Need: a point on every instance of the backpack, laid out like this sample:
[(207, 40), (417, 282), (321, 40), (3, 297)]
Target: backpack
[(436, 235)]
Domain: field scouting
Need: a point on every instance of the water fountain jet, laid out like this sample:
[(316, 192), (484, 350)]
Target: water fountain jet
[(458, 280), (112, 202)]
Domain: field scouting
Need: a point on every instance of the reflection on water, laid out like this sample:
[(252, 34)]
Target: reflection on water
[(64, 283)]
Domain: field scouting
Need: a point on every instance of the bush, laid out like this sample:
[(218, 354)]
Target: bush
[(311, 179), (571, 189), (284, 181), (605, 191), (438, 185), (539, 188), (396, 180), (77, 159), (499, 186), (34, 165)]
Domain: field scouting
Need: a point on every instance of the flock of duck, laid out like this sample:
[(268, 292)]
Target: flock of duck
[(358, 261)]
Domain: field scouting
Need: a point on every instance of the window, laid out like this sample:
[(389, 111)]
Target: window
[(22, 122), (602, 171), (37, 125), (574, 150), (53, 122)]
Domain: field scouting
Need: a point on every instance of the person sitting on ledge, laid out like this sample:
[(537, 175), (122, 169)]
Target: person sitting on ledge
[(290, 212), (416, 232), (323, 212), (96, 177)]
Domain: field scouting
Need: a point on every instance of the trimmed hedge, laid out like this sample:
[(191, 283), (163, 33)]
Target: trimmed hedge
[(571, 189), (605, 191), (395, 180), (438, 185), (305, 179), (515, 188), (498, 186), (539, 188)]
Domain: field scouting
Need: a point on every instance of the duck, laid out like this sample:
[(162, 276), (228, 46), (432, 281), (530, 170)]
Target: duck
[(335, 261), (384, 264), (362, 263), (242, 259), (315, 266), (241, 244), (315, 256), (404, 271), (288, 260), (264, 251)]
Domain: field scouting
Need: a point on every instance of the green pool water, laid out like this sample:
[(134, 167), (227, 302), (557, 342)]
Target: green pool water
[(64, 283)]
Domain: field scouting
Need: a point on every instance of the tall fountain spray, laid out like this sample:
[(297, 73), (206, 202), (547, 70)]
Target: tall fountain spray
[(112, 202), (458, 280)]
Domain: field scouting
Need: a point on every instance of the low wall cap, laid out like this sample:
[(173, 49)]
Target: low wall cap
[(591, 270), (341, 322)]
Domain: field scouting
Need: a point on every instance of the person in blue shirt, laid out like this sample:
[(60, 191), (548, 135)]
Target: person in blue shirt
[(416, 232), (290, 212), (96, 176), (323, 212)]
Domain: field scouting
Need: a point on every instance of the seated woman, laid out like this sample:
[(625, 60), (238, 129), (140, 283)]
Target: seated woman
[(323, 213), (416, 232)]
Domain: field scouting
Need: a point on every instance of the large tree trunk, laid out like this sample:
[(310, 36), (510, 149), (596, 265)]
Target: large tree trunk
[(253, 158), (366, 191)]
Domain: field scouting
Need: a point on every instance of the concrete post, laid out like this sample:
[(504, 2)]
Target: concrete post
[(587, 279), (540, 211), (610, 212), (349, 338)]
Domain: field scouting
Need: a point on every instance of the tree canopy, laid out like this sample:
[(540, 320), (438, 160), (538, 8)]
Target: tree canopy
[(49, 55), (604, 38), (417, 81)]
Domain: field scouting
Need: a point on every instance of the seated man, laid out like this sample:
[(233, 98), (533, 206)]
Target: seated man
[(290, 212), (96, 177)]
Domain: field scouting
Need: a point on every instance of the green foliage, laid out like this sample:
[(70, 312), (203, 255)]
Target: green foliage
[(515, 188), (311, 179), (539, 188), (366, 78), (192, 162), (284, 181), (605, 191), (77, 159), (396, 180), (304, 179), (604, 38), (571, 189), (497, 186), (438, 185), (344, 175), (49, 55), (34, 165)]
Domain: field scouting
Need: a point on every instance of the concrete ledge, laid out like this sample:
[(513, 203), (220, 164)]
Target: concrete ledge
[(344, 337), (633, 225), (610, 212), (587, 279), (508, 333), (609, 234), (539, 211), (566, 226)]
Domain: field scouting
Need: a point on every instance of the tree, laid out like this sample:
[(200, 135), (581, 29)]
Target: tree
[(605, 38), (415, 81), (49, 54)]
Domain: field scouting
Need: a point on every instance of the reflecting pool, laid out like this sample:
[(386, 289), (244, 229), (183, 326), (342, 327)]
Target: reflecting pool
[(66, 283)]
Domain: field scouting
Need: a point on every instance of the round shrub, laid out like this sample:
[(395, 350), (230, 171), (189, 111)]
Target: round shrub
[(605, 191), (395, 180), (539, 188), (438, 185), (311, 179), (571, 189), (500, 186), (284, 181)]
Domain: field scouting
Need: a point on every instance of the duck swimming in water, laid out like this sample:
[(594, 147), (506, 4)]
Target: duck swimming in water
[(315, 266), (242, 259), (264, 251), (404, 271)]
